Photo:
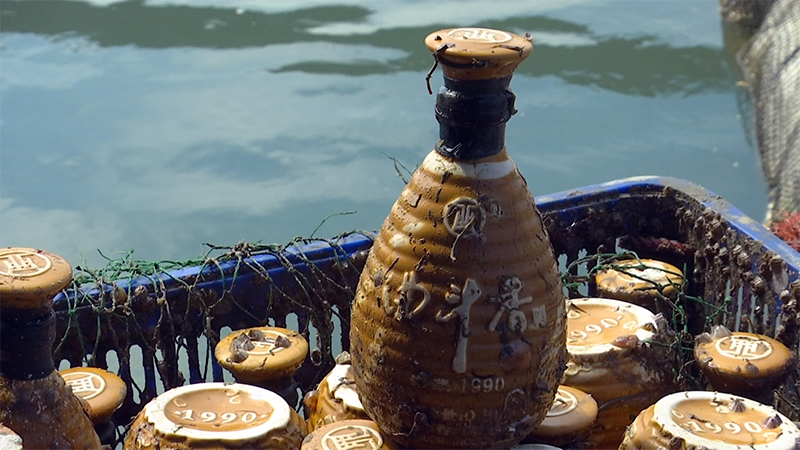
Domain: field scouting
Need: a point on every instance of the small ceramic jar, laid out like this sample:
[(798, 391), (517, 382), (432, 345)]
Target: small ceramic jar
[(103, 391), (742, 363), (635, 281), (335, 398), (710, 420), (569, 421), (218, 416), (34, 400), (9, 440), (351, 434), (264, 356), (618, 353)]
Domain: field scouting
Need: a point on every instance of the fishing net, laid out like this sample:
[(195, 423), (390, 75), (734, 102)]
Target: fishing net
[(770, 62), (159, 322)]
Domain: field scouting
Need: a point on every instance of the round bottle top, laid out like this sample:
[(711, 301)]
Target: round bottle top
[(234, 414), (348, 434), (722, 422), (260, 354), (600, 326), (29, 278), (341, 385), (9, 440), (478, 53), (103, 391), (572, 413), (634, 283), (335, 399), (741, 356)]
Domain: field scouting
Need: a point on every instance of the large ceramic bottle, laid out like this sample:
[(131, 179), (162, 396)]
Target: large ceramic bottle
[(458, 324), (34, 400)]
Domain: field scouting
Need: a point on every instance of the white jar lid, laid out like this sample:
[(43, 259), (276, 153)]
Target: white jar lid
[(235, 413), (724, 422)]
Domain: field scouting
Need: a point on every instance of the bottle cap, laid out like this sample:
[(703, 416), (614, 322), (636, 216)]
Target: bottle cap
[(742, 362), (598, 327), (478, 53), (259, 354), (29, 278), (715, 420), (336, 399), (101, 389), (635, 280), (348, 434), (608, 358), (206, 414), (569, 419)]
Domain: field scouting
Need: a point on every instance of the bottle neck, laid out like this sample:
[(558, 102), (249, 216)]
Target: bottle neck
[(472, 116), (26, 345)]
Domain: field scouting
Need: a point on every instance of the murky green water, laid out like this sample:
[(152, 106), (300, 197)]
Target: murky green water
[(162, 125)]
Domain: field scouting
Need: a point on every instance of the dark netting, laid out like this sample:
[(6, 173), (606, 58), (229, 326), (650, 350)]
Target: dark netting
[(770, 63), (165, 318)]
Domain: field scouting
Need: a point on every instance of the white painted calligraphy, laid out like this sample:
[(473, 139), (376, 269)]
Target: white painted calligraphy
[(509, 301), (461, 300)]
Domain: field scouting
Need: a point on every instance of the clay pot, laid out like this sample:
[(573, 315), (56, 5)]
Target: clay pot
[(264, 356), (743, 363), (101, 393), (218, 416), (34, 400), (349, 434), (334, 400), (619, 353), (103, 390), (457, 330), (569, 421), (700, 419)]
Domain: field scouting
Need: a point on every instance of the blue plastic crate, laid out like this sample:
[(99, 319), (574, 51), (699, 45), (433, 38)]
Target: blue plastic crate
[(732, 262)]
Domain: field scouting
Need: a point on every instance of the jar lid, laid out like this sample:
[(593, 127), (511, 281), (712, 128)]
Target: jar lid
[(9, 440), (573, 412), (478, 53), (262, 353), (103, 391), (233, 414), (353, 434), (723, 422), (29, 277), (638, 277), (597, 326), (741, 355), (341, 385)]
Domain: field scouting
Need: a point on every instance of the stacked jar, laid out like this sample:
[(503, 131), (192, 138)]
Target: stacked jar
[(620, 354), (264, 356), (103, 392), (218, 416), (336, 397), (711, 420), (34, 400)]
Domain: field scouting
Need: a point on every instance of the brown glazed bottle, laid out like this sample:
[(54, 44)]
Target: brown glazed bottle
[(458, 324), (34, 400)]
